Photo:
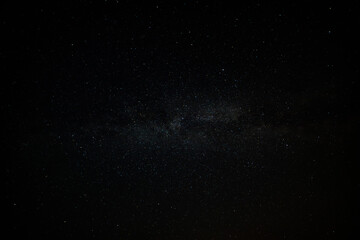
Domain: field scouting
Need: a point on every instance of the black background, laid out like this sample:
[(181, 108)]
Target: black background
[(185, 120)]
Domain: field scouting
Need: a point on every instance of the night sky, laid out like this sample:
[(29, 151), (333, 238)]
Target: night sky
[(184, 120)]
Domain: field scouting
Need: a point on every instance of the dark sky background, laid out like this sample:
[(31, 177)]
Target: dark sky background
[(185, 120)]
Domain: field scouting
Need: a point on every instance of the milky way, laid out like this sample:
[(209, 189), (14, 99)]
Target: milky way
[(195, 134)]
